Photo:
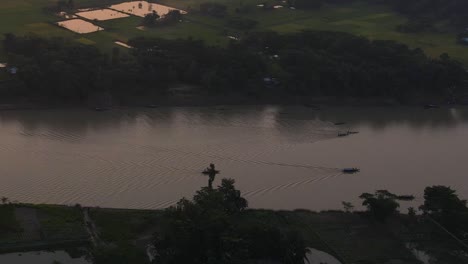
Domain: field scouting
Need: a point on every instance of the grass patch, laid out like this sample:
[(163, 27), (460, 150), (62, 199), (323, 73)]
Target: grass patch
[(123, 225), (86, 41), (61, 222), (8, 222), (10, 227)]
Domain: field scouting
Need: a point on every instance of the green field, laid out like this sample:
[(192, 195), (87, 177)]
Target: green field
[(372, 21)]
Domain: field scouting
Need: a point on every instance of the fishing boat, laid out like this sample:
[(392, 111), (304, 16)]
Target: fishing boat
[(431, 106), (316, 107), (343, 134), (152, 106), (101, 109), (350, 170)]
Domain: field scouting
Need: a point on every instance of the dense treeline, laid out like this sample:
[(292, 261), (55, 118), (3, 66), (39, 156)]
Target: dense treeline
[(331, 63), (309, 63)]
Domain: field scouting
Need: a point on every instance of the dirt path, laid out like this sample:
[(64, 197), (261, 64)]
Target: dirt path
[(91, 228)]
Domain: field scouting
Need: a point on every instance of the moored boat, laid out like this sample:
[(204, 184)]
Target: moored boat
[(431, 106), (350, 170)]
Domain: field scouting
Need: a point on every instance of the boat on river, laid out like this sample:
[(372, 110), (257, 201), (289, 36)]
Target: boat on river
[(431, 106), (347, 133), (350, 170), (315, 107)]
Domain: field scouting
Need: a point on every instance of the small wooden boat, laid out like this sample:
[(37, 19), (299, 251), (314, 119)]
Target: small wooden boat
[(316, 107), (339, 123), (152, 106), (350, 170), (430, 106), (343, 134), (100, 109)]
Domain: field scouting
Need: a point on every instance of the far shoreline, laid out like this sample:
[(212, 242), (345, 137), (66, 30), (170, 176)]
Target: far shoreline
[(312, 102)]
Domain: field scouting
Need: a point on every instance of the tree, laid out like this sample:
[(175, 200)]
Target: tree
[(443, 204), (4, 200), (151, 19), (173, 16), (440, 200), (210, 230), (347, 206), (382, 204), (411, 212)]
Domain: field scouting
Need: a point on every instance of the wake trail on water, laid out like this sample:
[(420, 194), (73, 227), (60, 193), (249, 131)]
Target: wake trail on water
[(250, 161), (286, 186)]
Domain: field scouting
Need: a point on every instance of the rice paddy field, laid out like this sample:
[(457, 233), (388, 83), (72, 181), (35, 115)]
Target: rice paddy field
[(373, 21)]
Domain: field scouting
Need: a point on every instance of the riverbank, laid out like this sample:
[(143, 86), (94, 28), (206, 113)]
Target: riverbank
[(312, 102), (350, 237)]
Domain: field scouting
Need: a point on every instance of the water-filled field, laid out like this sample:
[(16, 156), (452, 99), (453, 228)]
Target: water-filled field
[(142, 8), (101, 14), (79, 26)]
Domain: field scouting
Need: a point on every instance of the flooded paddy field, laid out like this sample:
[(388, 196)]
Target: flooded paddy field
[(79, 26), (142, 8), (101, 14)]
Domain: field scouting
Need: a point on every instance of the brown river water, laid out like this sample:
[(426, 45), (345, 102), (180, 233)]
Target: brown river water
[(280, 157)]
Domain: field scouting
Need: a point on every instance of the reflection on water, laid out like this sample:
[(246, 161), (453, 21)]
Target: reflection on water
[(420, 255), (41, 257), (319, 257), (281, 157)]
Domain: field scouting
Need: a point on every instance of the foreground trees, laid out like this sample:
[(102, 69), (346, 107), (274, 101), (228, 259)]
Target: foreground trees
[(443, 205), (207, 230), (382, 204)]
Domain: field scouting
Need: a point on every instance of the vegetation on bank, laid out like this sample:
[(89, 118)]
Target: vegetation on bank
[(312, 63), (217, 227), (373, 19), (8, 223)]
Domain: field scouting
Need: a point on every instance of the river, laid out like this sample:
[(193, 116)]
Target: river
[(280, 157)]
